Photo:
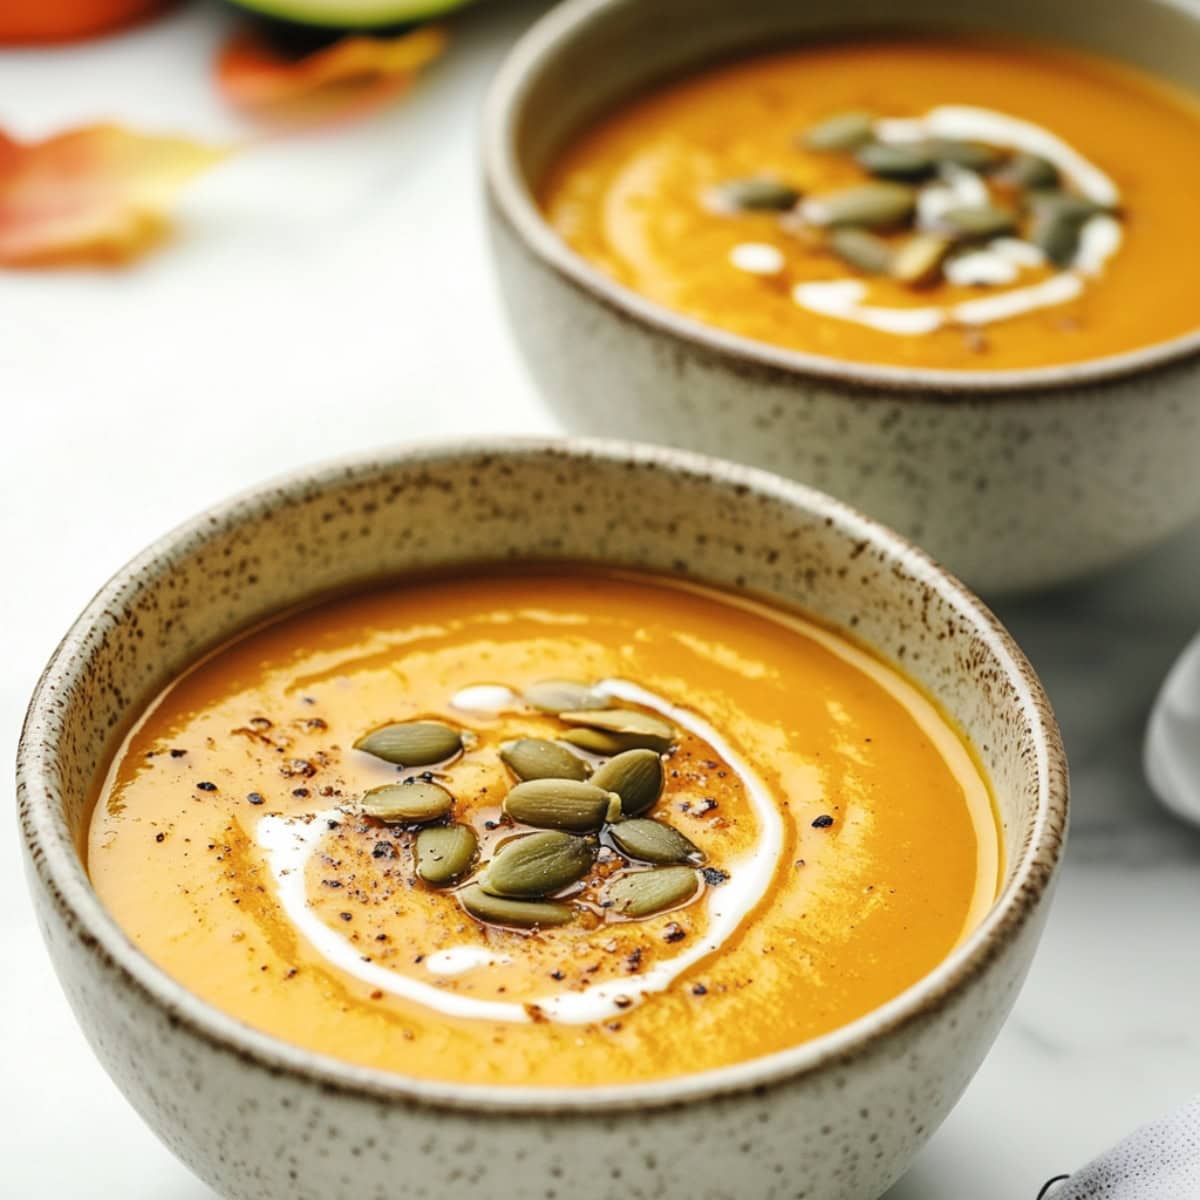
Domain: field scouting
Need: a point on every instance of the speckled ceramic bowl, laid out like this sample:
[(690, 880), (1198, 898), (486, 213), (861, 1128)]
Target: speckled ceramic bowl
[(837, 1118), (1015, 479)]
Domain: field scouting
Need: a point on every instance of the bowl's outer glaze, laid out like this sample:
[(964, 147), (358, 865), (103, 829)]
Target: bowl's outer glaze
[(1016, 479), (837, 1119)]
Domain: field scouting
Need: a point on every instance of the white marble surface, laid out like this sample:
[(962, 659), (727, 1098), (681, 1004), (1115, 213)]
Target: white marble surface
[(330, 294)]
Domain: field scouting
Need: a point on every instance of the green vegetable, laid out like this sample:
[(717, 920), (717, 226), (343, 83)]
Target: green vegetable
[(360, 15)]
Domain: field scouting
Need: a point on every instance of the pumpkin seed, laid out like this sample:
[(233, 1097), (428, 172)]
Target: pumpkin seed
[(909, 160), (412, 743), (919, 260), (870, 205), (537, 758), (407, 803), (862, 250), (537, 865), (1066, 205), (524, 914), (654, 842), (1057, 237), (650, 732), (562, 804), (596, 742), (445, 852), (760, 194), (1058, 220), (636, 776), (972, 156), (647, 892), (562, 695), (1029, 171), (841, 131), (977, 221)]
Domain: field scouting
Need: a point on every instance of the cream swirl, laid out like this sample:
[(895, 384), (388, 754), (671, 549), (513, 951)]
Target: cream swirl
[(1001, 260), (289, 842)]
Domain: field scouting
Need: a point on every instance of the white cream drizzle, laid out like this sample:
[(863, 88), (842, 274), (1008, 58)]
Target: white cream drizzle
[(485, 699), (981, 267), (957, 188), (458, 959), (757, 258), (1017, 252), (290, 841), (844, 298), (966, 123), (934, 200), (1099, 240), (1002, 260), (1058, 289), (965, 186)]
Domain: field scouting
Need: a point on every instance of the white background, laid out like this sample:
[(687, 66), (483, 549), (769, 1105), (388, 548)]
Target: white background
[(332, 292)]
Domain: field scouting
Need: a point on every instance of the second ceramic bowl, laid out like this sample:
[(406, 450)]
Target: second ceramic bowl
[(1015, 479)]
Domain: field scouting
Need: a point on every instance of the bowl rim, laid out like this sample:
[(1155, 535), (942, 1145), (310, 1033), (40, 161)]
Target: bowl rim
[(52, 853), (509, 198)]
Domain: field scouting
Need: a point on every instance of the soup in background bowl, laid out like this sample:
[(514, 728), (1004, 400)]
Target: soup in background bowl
[(932, 201), (434, 595), (930, 270)]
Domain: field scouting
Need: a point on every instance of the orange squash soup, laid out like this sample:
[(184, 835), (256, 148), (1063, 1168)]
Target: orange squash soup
[(551, 826), (927, 202)]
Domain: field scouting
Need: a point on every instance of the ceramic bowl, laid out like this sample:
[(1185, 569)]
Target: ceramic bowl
[(837, 1118), (1015, 479)]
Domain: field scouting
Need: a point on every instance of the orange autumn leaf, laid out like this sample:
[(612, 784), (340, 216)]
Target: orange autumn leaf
[(100, 194), (353, 76)]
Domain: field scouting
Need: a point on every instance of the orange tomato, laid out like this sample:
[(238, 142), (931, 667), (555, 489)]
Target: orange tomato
[(23, 21)]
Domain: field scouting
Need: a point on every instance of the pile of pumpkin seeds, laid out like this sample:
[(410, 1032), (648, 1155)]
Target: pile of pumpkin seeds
[(881, 227), (571, 805)]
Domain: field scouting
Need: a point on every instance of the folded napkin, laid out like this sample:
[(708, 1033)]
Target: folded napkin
[(1173, 740), (1160, 1161)]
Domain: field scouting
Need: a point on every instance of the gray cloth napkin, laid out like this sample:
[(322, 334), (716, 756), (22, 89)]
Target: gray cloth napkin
[(1172, 751), (1160, 1161)]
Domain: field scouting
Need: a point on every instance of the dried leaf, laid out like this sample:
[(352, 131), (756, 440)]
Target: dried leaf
[(100, 194), (348, 79)]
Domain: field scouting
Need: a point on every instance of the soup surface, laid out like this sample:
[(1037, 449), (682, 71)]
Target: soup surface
[(817, 837), (942, 203)]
